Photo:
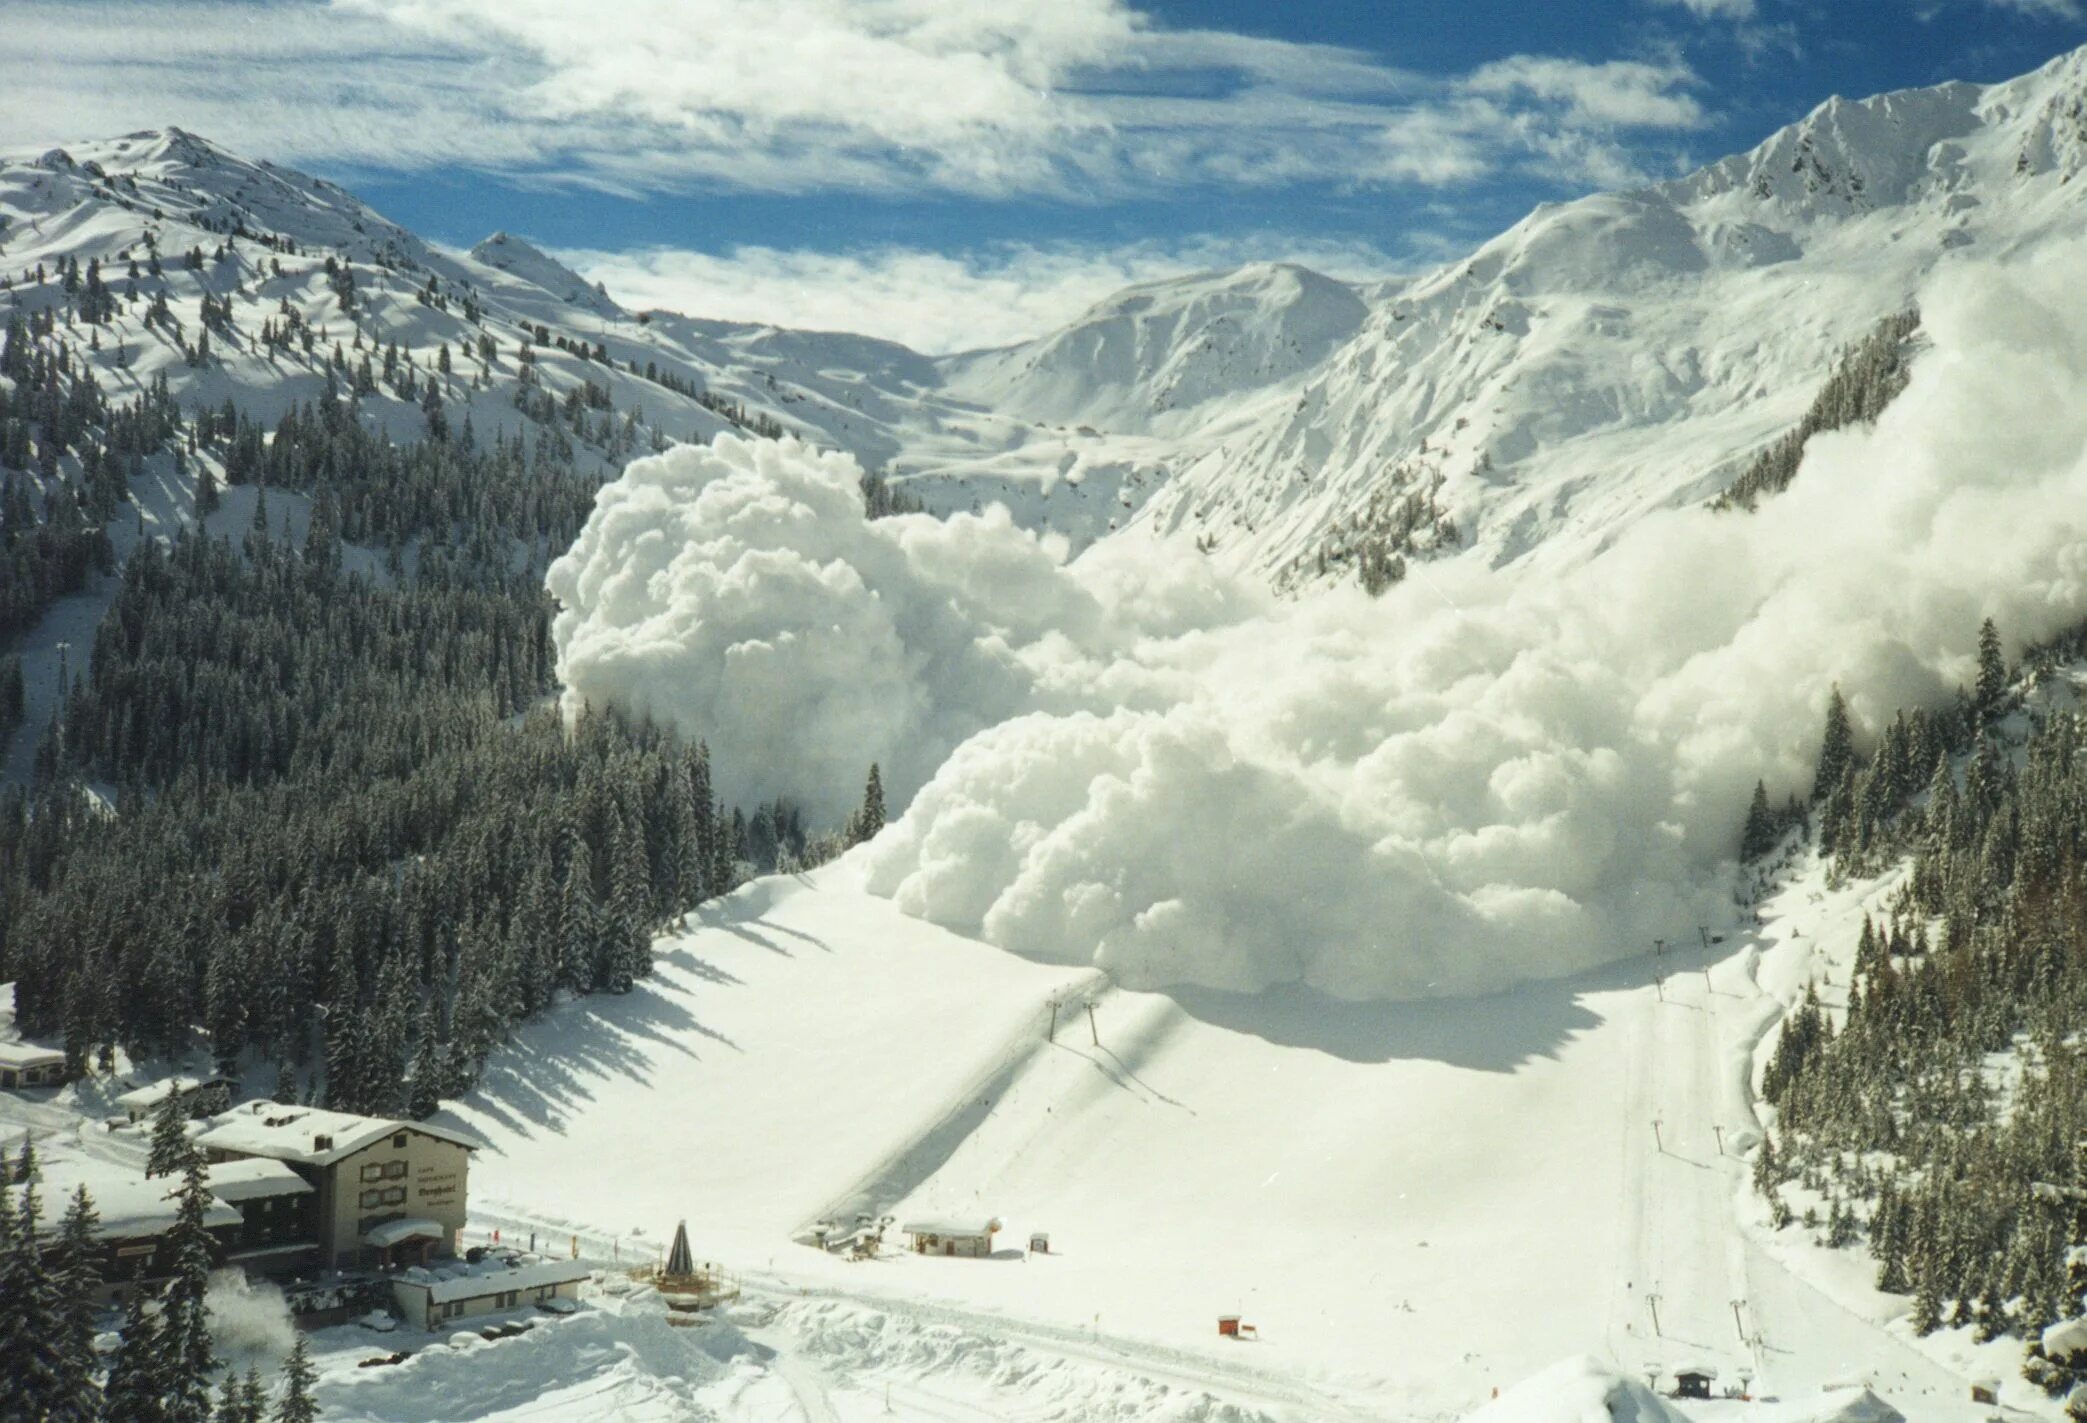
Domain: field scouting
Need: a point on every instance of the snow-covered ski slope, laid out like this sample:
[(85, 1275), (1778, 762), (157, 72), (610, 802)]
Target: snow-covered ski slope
[(1604, 357), (1413, 1204)]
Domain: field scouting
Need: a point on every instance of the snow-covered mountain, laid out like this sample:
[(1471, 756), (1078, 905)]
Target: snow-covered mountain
[(1600, 359), (1625, 351)]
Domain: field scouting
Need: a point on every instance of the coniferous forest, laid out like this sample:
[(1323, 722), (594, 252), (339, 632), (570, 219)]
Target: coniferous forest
[(1935, 1116)]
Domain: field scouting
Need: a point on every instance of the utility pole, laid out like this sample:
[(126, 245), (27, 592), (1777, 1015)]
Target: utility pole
[(1720, 1137), (1092, 1030), (1051, 1033), (1653, 1301), (1659, 984), (1737, 1322), (1703, 933), (1656, 1137)]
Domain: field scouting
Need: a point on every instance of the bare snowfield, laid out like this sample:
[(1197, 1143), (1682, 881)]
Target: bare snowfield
[(1414, 1204)]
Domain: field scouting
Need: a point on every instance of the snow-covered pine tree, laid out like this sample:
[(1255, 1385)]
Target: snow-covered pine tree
[(170, 1146), (188, 1352), (1992, 668), (1761, 831), (77, 1397), (1836, 748), (137, 1385), (31, 1376), (870, 818), (296, 1404)]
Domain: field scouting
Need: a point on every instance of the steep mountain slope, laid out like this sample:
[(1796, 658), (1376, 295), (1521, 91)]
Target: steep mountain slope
[(1603, 357), (1152, 358)]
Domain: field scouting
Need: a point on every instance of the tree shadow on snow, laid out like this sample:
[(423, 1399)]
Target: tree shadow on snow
[(551, 1070)]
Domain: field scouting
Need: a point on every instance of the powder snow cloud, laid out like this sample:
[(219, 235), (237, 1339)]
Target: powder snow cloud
[(1481, 777)]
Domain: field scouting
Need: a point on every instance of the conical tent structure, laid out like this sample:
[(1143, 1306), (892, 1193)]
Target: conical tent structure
[(679, 1261)]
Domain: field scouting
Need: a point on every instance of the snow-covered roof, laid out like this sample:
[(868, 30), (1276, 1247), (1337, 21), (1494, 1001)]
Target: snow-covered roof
[(478, 1282), (2067, 1336), (945, 1225), (252, 1178), (20, 1055), (140, 1099), (312, 1135), (406, 1228), (131, 1206)]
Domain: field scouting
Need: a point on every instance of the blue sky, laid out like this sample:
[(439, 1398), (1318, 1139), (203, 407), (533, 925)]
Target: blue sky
[(949, 171)]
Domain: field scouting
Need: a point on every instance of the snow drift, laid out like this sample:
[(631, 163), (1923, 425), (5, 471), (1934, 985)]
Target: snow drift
[(1479, 778), (1582, 1390)]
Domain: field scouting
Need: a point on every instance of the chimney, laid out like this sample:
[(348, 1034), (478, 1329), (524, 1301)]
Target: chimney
[(321, 1141)]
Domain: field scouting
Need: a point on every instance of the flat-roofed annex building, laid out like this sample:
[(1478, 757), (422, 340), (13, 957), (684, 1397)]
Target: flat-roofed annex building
[(389, 1193), (25, 1065)]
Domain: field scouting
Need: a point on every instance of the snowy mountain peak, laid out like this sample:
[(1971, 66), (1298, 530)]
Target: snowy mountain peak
[(525, 261), (1153, 354)]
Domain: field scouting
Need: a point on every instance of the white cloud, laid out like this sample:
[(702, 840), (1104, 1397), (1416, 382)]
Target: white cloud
[(1129, 760), (1713, 9), (1067, 98), (1619, 94), (934, 302)]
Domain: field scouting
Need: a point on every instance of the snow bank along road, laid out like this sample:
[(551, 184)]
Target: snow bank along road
[(1413, 1203)]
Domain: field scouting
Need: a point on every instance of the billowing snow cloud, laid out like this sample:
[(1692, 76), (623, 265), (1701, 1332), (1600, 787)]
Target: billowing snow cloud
[(738, 592), (1479, 778)]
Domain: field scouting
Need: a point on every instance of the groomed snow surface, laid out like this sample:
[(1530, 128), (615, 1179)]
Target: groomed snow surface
[(1413, 1205)]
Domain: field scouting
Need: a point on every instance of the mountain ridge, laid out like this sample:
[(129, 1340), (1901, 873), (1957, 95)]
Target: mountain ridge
[(1599, 359)]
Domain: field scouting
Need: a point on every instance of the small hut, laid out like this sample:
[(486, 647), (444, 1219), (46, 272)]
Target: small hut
[(969, 1237), (1694, 1381)]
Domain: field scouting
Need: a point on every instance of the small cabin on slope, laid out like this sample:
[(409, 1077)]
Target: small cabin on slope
[(1694, 1380), (970, 1238)]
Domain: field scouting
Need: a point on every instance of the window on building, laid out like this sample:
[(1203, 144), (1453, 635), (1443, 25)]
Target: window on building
[(394, 1170), (374, 1171), (398, 1142), (372, 1199), (394, 1196)]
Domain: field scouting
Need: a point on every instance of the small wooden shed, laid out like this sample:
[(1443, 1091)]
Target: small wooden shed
[(968, 1238), (1694, 1380)]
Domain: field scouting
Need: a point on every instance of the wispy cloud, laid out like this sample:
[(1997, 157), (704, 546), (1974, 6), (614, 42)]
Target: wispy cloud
[(1713, 9), (1055, 98), (935, 301)]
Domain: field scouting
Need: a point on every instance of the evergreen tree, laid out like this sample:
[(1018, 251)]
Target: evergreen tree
[(426, 1083), (170, 1144), (1992, 668), (137, 1387), (869, 819), (188, 1353), (1836, 748), (1761, 831), (77, 1397), (32, 1380), (229, 1407), (296, 1404), (253, 1400)]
